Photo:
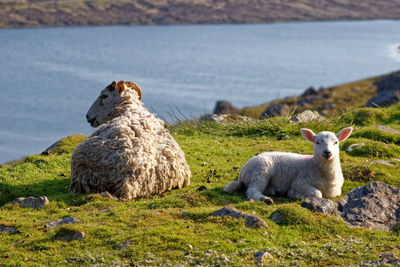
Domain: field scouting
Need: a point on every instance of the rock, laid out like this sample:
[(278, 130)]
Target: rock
[(74, 236), (7, 229), (66, 220), (310, 91), (375, 206), (307, 116), (276, 110), (352, 147), (322, 205), (190, 246), (276, 217), (383, 162), (226, 118), (49, 150), (388, 91), (32, 202), (201, 188), (329, 105), (251, 220), (262, 256), (385, 259), (124, 245), (224, 107), (387, 129), (105, 194), (304, 102), (152, 206)]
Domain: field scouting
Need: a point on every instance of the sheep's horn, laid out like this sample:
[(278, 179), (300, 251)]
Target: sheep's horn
[(136, 87)]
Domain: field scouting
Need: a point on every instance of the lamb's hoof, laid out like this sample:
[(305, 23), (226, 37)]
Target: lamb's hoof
[(268, 201)]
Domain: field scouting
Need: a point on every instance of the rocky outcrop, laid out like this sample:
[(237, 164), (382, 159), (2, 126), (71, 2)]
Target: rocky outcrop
[(224, 107), (32, 202), (66, 220), (388, 91), (275, 110), (374, 206), (251, 220), (307, 116)]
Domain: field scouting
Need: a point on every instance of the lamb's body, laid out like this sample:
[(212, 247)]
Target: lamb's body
[(131, 156), (293, 175)]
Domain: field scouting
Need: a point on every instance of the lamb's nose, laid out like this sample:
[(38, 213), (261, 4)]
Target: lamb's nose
[(327, 153), (87, 116), (91, 120)]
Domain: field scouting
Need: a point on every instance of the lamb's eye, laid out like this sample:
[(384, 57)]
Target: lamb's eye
[(317, 142), (336, 143)]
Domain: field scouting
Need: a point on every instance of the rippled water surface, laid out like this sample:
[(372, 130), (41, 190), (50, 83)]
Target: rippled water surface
[(49, 77)]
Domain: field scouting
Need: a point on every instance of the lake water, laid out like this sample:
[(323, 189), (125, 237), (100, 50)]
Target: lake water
[(49, 77)]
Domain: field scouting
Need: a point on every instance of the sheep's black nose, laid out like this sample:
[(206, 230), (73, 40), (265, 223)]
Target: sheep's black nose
[(87, 116), (327, 153), (91, 120)]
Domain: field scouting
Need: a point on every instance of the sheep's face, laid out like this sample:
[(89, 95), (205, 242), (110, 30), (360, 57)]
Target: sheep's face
[(102, 108), (326, 144)]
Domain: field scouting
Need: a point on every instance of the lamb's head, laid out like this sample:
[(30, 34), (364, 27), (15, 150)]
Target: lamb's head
[(103, 108), (326, 144)]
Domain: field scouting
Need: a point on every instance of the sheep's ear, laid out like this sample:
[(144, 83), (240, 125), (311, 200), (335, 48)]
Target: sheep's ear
[(121, 86), (344, 133), (136, 88), (308, 134)]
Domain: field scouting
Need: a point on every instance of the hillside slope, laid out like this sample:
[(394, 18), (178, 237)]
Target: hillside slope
[(176, 228), (33, 13)]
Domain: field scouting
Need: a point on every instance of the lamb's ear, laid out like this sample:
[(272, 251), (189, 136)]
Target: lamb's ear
[(344, 133), (121, 86), (308, 134)]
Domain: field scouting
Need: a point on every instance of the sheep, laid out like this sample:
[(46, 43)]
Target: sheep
[(131, 155), (294, 175)]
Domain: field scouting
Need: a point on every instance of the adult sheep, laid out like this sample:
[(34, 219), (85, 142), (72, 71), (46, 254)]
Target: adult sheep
[(131, 155), (295, 175)]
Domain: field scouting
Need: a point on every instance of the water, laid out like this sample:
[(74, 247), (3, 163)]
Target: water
[(49, 77)]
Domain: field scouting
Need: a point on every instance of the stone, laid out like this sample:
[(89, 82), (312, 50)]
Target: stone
[(387, 129), (375, 206), (7, 229), (49, 150), (74, 236), (226, 118), (276, 217), (66, 220), (201, 188), (276, 110), (189, 246), (224, 107), (384, 99), (32, 202), (310, 91), (383, 162), (105, 194), (124, 245), (321, 205), (353, 147), (307, 116), (388, 91), (251, 220), (385, 259), (262, 256)]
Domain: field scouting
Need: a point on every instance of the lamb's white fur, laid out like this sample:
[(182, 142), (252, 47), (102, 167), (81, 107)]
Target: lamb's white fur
[(132, 154), (295, 175)]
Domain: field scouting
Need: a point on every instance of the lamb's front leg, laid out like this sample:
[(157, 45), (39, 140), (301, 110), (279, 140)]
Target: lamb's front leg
[(254, 191), (303, 191)]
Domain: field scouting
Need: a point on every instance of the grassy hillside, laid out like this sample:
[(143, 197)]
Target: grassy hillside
[(176, 228), (33, 13)]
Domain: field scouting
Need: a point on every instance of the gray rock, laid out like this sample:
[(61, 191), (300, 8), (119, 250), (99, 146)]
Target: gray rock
[(124, 245), (32, 202), (322, 205), (74, 236), (66, 220), (262, 256), (384, 99), (310, 91), (385, 259), (224, 107), (49, 150), (388, 91), (383, 162), (105, 194), (226, 118), (7, 229), (375, 206), (307, 116), (387, 129), (276, 217), (251, 220), (276, 110)]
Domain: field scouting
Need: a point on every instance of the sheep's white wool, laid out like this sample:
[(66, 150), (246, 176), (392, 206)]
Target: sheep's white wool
[(132, 155), (295, 175)]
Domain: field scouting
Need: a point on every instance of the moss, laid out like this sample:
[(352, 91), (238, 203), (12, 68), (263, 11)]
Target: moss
[(377, 135), (372, 149)]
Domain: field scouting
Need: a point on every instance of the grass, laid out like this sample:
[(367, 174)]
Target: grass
[(176, 228)]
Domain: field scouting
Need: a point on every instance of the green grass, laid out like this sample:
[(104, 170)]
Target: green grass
[(159, 230)]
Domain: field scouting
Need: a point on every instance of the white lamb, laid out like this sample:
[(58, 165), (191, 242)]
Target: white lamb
[(132, 155), (295, 175)]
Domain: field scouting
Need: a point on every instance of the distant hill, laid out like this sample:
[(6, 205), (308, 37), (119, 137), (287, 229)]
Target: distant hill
[(34, 13)]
